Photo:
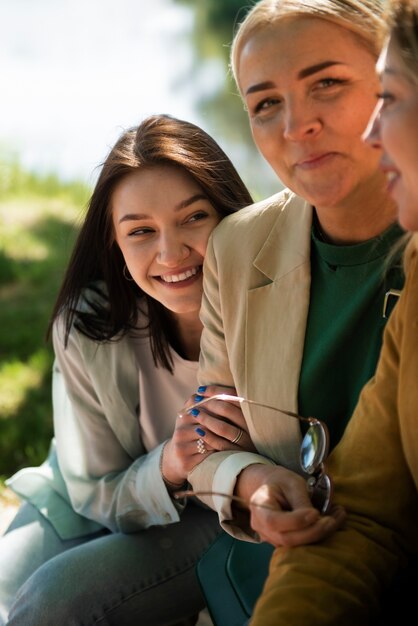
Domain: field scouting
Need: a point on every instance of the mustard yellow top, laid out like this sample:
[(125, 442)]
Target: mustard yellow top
[(375, 469)]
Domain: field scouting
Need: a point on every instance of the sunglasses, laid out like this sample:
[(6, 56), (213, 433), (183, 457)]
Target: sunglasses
[(313, 452)]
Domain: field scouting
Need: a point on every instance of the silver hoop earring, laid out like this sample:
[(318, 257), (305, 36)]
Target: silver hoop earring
[(126, 273)]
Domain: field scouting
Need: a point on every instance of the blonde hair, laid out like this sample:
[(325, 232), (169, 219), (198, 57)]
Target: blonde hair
[(403, 31), (363, 18)]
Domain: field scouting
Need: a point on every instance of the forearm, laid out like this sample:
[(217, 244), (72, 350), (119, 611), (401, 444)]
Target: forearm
[(324, 585)]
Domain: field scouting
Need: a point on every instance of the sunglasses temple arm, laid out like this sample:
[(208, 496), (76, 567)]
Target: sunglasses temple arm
[(178, 495), (242, 400), (309, 420)]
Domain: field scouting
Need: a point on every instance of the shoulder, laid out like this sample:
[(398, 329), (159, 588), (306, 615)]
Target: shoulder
[(92, 299), (278, 218), (256, 220), (411, 254)]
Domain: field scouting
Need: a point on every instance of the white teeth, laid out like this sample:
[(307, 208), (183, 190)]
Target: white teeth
[(391, 176), (176, 278)]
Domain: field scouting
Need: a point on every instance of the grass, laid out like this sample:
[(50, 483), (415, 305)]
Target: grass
[(38, 225)]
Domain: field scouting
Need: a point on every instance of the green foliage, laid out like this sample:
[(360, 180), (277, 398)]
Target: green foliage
[(38, 216), (216, 94), (16, 181), (221, 16)]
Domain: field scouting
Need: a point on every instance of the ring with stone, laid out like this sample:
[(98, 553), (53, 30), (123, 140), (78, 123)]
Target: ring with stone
[(201, 448)]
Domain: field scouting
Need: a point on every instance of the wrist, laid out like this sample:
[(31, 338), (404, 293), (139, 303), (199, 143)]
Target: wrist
[(171, 485), (251, 478)]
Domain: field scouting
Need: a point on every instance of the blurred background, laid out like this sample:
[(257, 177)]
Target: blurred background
[(75, 74)]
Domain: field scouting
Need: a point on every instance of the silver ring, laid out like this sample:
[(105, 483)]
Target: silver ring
[(201, 448), (238, 437)]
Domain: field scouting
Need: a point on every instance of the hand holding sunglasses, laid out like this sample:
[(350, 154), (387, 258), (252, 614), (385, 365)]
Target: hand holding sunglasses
[(313, 451)]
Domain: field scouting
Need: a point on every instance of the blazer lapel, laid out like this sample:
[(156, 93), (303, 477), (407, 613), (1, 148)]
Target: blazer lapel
[(275, 332)]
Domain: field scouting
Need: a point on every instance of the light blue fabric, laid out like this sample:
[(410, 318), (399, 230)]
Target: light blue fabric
[(144, 578), (44, 487)]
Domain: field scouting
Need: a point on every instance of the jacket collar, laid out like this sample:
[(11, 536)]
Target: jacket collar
[(288, 244), (277, 312)]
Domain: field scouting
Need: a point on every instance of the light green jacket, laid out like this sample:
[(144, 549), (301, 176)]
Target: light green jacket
[(108, 446)]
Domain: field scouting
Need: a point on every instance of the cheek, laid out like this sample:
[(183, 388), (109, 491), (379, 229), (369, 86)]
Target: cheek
[(263, 139), (200, 244), (390, 137)]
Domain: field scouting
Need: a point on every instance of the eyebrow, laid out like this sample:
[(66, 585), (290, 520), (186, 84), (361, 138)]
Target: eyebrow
[(307, 71), (129, 217)]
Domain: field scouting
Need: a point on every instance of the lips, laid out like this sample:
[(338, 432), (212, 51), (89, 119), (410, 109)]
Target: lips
[(392, 177), (181, 276), (391, 173), (314, 161)]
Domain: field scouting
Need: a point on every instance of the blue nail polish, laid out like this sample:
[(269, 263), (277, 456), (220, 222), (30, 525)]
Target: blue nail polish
[(194, 412), (198, 398), (200, 432), (202, 389)]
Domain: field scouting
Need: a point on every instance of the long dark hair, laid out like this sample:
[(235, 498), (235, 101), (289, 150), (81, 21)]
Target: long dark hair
[(109, 306)]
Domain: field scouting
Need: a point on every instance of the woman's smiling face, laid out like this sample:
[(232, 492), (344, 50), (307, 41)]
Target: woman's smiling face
[(394, 126), (162, 221), (309, 86)]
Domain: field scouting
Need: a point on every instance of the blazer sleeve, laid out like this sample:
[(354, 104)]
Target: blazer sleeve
[(340, 581), (104, 482), (219, 471)]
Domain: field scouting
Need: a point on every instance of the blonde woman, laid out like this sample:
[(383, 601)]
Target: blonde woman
[(375, 468), (295, 285)]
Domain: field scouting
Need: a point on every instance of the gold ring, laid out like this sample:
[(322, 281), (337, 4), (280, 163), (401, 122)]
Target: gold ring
[(238, 437), (201, 448)]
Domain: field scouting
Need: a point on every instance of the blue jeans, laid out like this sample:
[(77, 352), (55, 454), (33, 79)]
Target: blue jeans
[(145, 578)]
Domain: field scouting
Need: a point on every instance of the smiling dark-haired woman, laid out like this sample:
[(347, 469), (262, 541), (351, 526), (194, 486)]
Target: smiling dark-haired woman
[(100, 537)]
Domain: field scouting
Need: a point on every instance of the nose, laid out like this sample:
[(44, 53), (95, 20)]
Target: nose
[(300, 122), (372, 133), (172, 250)]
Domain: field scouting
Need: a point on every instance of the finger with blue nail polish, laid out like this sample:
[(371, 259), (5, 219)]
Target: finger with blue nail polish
[(194, 412), (201, 389), (200, 432), (198, 398)]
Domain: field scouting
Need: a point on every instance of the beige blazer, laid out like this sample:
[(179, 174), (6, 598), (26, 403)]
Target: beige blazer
[(255, 308)]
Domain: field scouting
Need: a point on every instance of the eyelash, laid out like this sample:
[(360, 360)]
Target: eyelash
[(385, 96), (196, 217), (260, 106), (386, 99), (332, 82)]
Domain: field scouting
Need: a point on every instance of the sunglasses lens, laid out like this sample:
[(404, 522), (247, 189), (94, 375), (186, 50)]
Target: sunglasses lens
[(320, 490), (313, 449)]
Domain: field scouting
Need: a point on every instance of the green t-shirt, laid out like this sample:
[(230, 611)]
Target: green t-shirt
[(345, 325)]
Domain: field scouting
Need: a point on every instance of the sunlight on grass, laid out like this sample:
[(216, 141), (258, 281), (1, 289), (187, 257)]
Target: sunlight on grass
[(17, 379), (39, 219), (19, 239)]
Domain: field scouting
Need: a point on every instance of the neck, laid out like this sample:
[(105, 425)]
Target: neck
[(359, 218), (188, 332)]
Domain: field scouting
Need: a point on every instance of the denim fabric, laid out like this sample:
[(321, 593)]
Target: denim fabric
[(145, 578)]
